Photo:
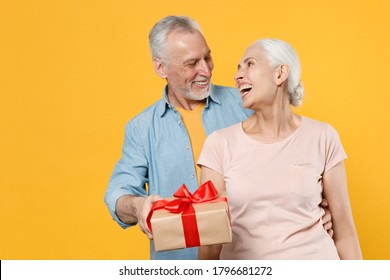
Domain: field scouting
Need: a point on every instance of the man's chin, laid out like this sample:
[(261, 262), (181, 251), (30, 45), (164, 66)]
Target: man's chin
[(199, 95)]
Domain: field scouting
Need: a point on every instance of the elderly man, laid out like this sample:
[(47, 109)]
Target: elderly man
[(163, 142)]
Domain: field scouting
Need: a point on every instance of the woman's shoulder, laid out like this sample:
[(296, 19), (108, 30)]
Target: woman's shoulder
[(322, 128), (225, 134), (314, 124), (229, 130)]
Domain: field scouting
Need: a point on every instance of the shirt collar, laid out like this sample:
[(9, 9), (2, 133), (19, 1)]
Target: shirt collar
[(164, 103), (213, 96)]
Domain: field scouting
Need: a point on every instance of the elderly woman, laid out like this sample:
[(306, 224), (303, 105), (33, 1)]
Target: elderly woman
[(276, 166)]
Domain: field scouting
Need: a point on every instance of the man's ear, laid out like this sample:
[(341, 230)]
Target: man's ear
[(281, 74), (160, 68)]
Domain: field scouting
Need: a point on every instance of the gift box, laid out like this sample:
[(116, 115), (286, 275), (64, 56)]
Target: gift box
[(190, 220)]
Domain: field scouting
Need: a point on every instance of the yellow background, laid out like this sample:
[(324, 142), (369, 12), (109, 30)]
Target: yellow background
[(72, 73)]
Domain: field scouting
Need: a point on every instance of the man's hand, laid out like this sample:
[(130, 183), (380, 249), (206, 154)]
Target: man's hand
[(134, 209), (327, 218), (142, 211)]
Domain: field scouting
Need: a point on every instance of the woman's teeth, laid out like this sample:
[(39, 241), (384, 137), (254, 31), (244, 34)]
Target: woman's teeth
[(245, 89)]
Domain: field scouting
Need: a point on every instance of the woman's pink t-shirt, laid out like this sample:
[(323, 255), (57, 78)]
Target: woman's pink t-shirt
[(274, 190)]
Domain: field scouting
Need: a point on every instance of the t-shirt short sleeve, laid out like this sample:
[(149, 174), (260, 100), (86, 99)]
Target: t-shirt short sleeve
[(334, 150), (212, 155)]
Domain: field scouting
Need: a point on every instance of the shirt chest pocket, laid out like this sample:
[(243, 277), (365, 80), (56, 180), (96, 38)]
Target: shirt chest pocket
[(305, 181)]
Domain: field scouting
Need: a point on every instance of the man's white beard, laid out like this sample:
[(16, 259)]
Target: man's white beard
[(192, 96)]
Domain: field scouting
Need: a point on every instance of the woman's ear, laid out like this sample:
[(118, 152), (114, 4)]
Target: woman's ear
[(281, 74), (160, 68)]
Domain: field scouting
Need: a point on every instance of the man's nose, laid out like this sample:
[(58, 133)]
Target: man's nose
[(204, 68)]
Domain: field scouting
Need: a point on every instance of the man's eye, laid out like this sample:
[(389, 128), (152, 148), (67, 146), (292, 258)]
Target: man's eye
[(250, 63), (191, 64)]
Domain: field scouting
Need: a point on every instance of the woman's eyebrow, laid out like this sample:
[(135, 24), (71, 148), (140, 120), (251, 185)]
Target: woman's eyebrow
[(244, 61)]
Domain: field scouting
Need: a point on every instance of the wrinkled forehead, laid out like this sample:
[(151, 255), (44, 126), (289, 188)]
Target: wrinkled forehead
[(185, 43), (180, 34)]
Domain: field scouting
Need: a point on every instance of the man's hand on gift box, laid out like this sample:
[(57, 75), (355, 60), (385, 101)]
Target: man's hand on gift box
[(143, 211), (134, 209)]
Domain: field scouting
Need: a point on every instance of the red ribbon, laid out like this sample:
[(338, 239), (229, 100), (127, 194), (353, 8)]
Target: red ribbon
[(183, 204)]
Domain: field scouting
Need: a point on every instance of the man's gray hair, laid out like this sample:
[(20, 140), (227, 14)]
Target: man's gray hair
[(160, 31), (279, 52)]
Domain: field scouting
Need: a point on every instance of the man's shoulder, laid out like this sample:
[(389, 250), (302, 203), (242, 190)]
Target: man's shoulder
[(148, 114), (225, 95), (218, 89)]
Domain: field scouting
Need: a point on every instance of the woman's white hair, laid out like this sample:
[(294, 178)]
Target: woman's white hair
[(279, 52), (160, 31)]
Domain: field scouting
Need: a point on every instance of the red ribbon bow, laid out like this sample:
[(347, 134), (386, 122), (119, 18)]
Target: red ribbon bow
[(183, 204)]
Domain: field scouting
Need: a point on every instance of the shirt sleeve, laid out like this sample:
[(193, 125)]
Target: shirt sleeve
[(130, 173), (334, 150), (212, 153)]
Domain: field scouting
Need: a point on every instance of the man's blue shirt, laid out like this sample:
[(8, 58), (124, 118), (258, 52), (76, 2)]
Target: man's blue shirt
[(157, 152)]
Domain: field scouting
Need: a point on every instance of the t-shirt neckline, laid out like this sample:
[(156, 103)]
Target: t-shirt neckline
[(257, 142)]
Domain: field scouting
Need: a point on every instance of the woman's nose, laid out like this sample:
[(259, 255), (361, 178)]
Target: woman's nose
[(238, 75)]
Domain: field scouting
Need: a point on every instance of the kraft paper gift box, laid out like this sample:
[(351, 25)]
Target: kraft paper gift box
[(190, 220)]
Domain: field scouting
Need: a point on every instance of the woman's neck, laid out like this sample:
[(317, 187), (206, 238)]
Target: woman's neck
[(272, 124)]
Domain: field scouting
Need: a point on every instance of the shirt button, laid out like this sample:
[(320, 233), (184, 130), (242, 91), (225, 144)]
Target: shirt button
[(192, 175), (187, 148), (179, 122)]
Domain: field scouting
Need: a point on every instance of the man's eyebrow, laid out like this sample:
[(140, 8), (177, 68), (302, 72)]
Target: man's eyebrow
[(196, 59)]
